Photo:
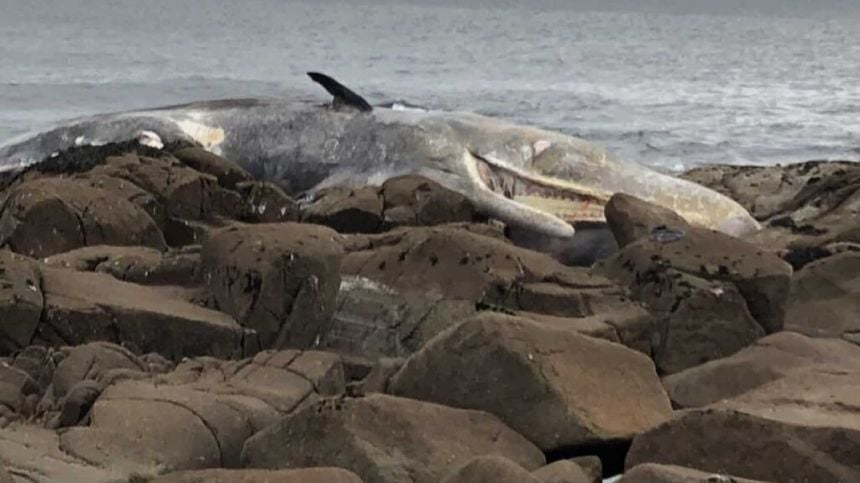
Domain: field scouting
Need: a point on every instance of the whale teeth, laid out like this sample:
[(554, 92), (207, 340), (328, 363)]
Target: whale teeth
[(568, 205)]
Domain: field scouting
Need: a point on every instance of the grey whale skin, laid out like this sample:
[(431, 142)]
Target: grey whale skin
[(531, 179)]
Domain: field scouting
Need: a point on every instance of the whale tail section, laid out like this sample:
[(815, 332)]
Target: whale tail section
[(343, 96)]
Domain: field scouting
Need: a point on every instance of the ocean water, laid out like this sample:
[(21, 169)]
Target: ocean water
[(669, 83)]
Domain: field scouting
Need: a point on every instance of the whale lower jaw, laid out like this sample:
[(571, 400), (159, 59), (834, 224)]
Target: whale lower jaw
[(530, 200)]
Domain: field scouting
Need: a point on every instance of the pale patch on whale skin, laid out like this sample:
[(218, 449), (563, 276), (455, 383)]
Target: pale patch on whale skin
[(209, 137)]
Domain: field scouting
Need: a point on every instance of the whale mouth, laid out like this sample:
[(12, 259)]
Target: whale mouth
[(561, 199)]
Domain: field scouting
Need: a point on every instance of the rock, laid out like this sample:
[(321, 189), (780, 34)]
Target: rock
[(78, 402), (632, 219), (400, 201), (199, 415), (491, 468), (49, 216), (762, 190), (562, 471), (762, 278), (802, 427), (807, 208), (416, 201), (21, 301), (35, 452), (399, 291), (557, 388), (5, 476), (81, 307), (303, 475), (654, 473), (712, 294), (228, 173), (89, 361), (280, 280), (265, 202), (824, 298), (346, 210), (592, 466), (419, 442), (142, 265), (769, 359)]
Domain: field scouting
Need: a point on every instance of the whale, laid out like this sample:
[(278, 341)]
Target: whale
[(531, 179)]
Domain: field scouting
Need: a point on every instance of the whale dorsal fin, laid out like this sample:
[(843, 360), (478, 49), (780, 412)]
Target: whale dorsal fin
[(342, 95)]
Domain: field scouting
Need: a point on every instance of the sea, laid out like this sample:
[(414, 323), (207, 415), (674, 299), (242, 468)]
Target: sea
[(673, 84)]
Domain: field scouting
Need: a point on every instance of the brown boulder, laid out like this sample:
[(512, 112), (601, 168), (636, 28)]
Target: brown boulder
[(48, 216), (824, 298), (557, 388), (712, 294), (35, 453), (562, 471), (799, 428), (399, 291), (493, 468), (265, 202), (199, 415), (81, 307), (632, 219), (419, 441), (21, 301), (228, 173), (142, 265), (770, 358), (762, 278), (303, 475), (400, 201), (654, 473), (280, 280)]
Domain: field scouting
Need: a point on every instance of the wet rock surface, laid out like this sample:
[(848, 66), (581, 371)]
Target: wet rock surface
[(166, 317)]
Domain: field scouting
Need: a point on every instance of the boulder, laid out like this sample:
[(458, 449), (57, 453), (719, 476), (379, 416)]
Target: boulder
[(302, 475), (420, 442), (712, 294), (799, 428), (761, 278), (400, 201), (200, 415), (35, 453), (654, 473), (265, 202), (142, 265), (763, 190), (81, 307), (228, 173), (89, 362), (631, 218), (557, 388), (562, 471), (399, 291), (491, 468), (48, 216), (824, 298), (279, 279), (769, 359), (21, 301)]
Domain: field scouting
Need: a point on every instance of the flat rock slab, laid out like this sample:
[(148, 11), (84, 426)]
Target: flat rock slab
[(654, 473), (825, 298), (491, 468), (302, 475), (83, 306), (200, 415), (802, 427), (769, 359), (558, 388), (387, 439)]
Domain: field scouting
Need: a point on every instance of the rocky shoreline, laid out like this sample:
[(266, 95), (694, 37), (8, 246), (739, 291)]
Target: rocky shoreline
[(165, 317)]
